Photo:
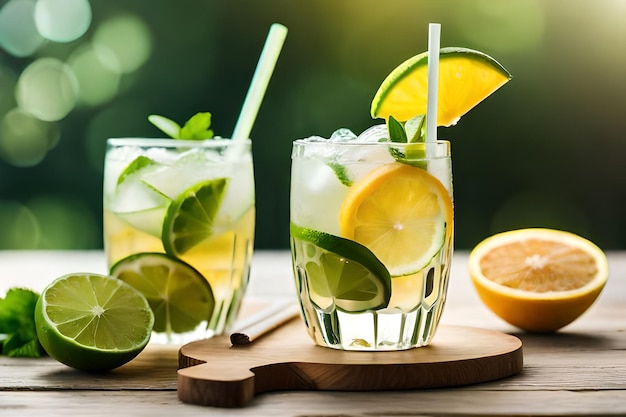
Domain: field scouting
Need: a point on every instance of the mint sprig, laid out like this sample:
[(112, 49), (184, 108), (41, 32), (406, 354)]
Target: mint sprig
[(196, 128), (413, 132), (18, 334)]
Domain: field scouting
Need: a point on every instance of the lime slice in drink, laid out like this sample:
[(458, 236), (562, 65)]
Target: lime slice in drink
[(136, 202), (466, 77), (92, 322), (341, 272), (190, 218), (179, 296), (136, 165)]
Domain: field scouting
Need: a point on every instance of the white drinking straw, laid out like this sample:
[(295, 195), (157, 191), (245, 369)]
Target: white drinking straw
[(434, 33), (260, 80)]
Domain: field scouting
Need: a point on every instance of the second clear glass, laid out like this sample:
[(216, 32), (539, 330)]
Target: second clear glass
[(150, 182)]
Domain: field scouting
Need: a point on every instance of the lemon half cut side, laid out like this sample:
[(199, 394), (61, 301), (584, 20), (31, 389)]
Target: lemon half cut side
[(539, 280)]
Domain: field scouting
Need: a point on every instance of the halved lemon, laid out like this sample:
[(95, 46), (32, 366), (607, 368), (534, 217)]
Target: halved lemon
[(466, 77), (538, 279), (401, 213)]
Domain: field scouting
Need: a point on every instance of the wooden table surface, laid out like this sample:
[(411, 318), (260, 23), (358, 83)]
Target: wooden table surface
[(580, 370)]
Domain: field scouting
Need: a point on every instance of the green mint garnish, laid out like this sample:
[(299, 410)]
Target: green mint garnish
[(17, 324), (196, 128), (396, 131), (412, 132), (341, 172)]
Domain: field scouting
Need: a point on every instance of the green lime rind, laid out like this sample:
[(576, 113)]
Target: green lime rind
[(179, 296), (92, 322), (341, 273), (136, 165), (191, 216), (405, 69), (413, 154)]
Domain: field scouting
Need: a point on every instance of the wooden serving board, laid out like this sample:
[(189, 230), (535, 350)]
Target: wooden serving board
[(214, 373)]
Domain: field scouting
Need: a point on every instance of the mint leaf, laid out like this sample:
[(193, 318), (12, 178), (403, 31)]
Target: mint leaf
[(17, 323), (167, 126), (396, 130), (341, 172), (415, 129), (197, 128)]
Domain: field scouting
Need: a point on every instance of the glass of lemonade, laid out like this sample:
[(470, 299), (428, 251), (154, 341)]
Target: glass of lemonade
[(179, 225), (371, 238)]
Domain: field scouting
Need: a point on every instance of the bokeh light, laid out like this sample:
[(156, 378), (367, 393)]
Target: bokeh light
[(505, 26), (18, 33), (47, 89), (19, 226), (8, 81), (97, 82), (47, 223), (128, 38), (24, 139), (64, 223), (62, 20)]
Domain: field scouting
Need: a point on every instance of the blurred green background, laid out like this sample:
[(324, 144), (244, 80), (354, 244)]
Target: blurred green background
[(545, 150)]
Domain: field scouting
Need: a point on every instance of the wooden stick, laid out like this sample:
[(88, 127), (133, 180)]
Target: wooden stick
[(264, 322)]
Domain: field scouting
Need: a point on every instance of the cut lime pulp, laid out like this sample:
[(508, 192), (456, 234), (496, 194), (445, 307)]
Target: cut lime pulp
[(190, 218), (341, 273), (92, 322), (179, 296)]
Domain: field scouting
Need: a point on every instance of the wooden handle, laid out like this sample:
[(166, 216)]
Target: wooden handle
[(264, 322)]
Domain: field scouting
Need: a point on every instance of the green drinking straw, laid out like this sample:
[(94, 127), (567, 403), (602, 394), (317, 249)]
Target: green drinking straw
[(260, 80)]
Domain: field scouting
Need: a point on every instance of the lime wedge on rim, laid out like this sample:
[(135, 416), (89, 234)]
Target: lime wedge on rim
[(466, 77), (190, 218), (179, 296), (341, 273), (92, 322)]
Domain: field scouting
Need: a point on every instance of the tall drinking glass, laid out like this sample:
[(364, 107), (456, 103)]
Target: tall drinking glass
[(371, 240), (179, 225)]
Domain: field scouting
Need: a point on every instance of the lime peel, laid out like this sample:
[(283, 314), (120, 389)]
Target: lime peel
[(92, 322), (344, 271)]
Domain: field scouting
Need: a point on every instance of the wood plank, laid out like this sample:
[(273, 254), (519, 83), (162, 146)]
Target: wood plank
[(451, 402)]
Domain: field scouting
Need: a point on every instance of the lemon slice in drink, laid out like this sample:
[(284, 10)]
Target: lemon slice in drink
[(538, 279), (466, 77), (341, 273), (92, 322), (190, 218), (401, 213), (179, 296)]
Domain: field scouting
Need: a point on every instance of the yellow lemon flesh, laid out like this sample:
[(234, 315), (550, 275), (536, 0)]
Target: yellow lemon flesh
[(538, 279), (466, 77), (401, 213)]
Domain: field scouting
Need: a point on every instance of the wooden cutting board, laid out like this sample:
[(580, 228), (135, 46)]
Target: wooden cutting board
[(214, 373)]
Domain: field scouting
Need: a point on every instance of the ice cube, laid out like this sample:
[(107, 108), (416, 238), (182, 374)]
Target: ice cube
[(377, 133), (342, 135)]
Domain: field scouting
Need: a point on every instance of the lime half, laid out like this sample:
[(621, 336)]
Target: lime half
[(190, 218), (179, 296), (92, 322), (340, 272)]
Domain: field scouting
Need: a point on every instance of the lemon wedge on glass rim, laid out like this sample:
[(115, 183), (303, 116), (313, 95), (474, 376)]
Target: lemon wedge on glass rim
[(466, 77), (538, 279)]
